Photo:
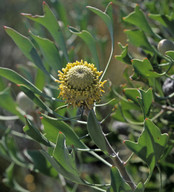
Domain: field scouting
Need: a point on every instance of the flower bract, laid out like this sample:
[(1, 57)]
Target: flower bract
[(80, 85)]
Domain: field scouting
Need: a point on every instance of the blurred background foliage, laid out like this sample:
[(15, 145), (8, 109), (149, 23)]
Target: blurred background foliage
[(74, 13)]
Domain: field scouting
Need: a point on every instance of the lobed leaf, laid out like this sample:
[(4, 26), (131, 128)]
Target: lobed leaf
[(105, 17), (138, 19), (139, 39), (144, 68), (150, 146), (145, 100), (125, 56), (49, 21)]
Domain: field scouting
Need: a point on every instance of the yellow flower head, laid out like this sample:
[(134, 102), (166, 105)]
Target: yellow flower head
[(80, 85)]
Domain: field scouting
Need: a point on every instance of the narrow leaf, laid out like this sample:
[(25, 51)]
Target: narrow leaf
[(52, 127), (105, 18), (62, 155), (89, 40), (18, 79), (27, 48), (49, 51), (117, 182), (35, 99), (95, 132), (40, 163), (49, 21), (61, 170), (34, 133)]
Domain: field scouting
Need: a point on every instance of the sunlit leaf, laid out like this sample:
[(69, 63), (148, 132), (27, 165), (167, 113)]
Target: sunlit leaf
[(49, 51), (144, 68), (138, 18), (139, 39), (105, 17), (27, 48), (125, 56), (49, 21)]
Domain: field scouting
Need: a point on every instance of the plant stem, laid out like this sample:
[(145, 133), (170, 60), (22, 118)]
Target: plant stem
[(120, 165)]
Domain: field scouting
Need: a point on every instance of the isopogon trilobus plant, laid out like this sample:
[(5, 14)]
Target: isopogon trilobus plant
[(74, 123)]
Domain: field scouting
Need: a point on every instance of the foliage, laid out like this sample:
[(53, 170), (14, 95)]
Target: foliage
[(66, 139)]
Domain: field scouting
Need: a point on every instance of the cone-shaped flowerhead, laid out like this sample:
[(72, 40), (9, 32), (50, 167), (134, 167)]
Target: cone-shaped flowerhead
[(80, 85)]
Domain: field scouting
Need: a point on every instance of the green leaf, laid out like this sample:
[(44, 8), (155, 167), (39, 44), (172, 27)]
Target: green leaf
[(139, 39), (61, 170), (26, 46), (49, 51), (49, 21), (52, 127), (165, 20), (7, 102), (89, 40), (9, 145), (132, 94), (117, 182), (145, 100), (34, 133), (108, 21), (150, 146), (170, 54), (62, 155), (138, 19), (10, 181), (139, 188), (35, 99), (144, 68), (95, 132), (18, 79), (40, 163), (124, 57), (105, 17)]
